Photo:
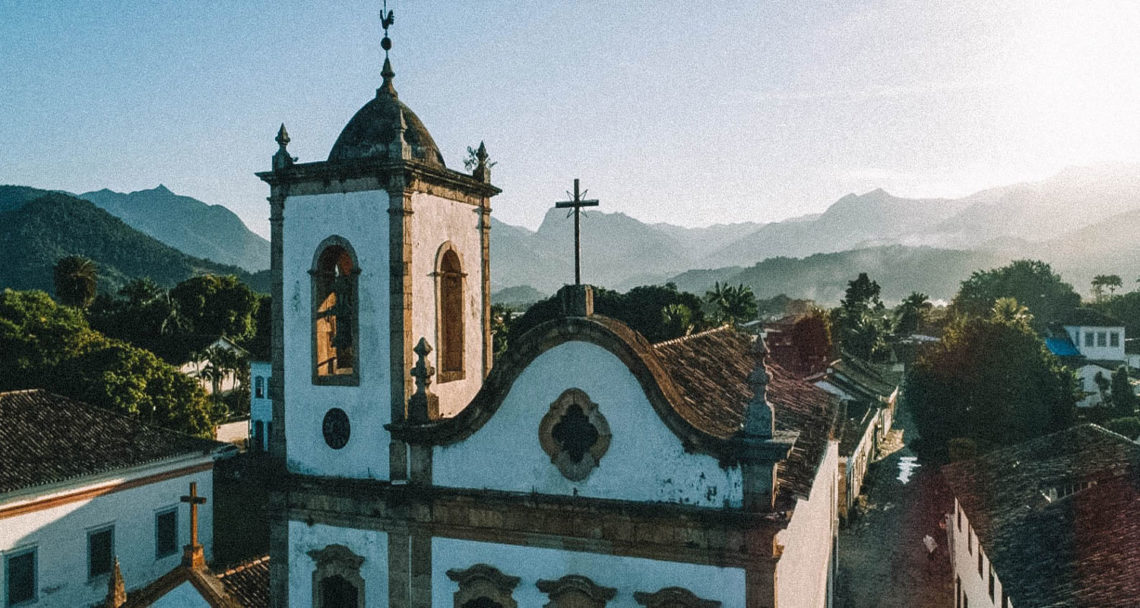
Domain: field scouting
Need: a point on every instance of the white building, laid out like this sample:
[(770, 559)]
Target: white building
[(588, 468), (260, 406), (79, 486), (211, 375), (1048, 522), (1092, 343)]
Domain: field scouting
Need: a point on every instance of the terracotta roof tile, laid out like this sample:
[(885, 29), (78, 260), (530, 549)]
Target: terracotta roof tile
[(248, 583), (711, 371), (1078, 549), (46, 438)]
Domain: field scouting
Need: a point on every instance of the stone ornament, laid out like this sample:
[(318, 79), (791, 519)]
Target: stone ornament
[(336, 428), (483, 582), (673, 597), (575, 591), (574, 434), (337, 577)]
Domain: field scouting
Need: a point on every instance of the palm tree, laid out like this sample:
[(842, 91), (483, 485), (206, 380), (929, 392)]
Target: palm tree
[(911, 313), (75, 278)]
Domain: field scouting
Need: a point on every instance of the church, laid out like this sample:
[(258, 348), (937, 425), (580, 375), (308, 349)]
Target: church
[(586, 468)]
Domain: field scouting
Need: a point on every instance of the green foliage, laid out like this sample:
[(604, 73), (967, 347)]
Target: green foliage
[(1129, 426), (217, 306), (48, 346), (652, 310), (1126, 308), (910, 315), (1123, 399), (1101, 281), (861, 319), (990, 380), (75, 277), (730, 304), (1031, 282)]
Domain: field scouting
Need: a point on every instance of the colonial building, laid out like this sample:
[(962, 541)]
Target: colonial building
[(589, 468), (1053, 521), (260, 406), (1092, 344), (79, 486)]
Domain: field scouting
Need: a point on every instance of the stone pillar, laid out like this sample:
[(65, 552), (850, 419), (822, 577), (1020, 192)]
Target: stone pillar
[(760, 584), (278, 550), (277, 448), (577, 300), (400, 314), (485, 249), (420, 587), (399, 571)]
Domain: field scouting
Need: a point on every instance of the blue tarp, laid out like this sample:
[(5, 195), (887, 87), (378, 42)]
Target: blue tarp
[(1062, 347)]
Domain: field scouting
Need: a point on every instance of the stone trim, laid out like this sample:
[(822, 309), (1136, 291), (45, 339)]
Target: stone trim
[(485, 261), (629, 346), (449, 375), (324, 177), (349, 379), (574, 470), (399, 314), (482, 580), (337, 560), (673, 597), (576, 591)]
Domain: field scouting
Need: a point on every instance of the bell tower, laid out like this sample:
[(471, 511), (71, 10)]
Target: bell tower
[(373, 250)]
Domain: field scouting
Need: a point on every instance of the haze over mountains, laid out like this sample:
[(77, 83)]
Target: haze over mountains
[(1083, 221)]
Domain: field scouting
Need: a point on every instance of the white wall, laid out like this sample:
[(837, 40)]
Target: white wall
[(1100, 353), (372, 545), (362, 219), (627, 574), (803, 572), (60, 534), (436, 221), (1087, 375), (645, 462), (964, 563)]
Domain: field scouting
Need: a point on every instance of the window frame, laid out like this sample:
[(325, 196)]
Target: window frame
[(1101, 339), (172, 510), (316, 276), (91, 532), (12, 555), (445, 372), (1114, 339), (259, 387)]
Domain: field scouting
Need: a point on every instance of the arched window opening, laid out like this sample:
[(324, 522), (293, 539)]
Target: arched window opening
[(334, 313), (449, 274), (336, 592), (336, 580)]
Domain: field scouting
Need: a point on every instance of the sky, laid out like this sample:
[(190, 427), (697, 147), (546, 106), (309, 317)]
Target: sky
[(679, 112)]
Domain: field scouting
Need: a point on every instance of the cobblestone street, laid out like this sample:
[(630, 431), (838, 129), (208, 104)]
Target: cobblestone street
[(882, 561)]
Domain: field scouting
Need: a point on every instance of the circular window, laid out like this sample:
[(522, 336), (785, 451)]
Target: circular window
[(336, 428), (574, 434)]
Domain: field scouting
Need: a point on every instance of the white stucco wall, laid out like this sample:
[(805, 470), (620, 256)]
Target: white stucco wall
[(645, 462), (362, 219), (1087, 375), (59, 534), (182, 596), (627, 574), (1100, 353), (964, 563), (803, 574), (372, 545), (436, 221)]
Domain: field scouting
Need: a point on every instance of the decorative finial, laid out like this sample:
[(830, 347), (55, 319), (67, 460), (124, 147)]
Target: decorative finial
[(387, 18), (758, 419), (282, 159), (423, 406), (482, 170), (116, 588)]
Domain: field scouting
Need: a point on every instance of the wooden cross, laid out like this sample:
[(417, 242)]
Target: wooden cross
[(577, 205), (194, 501)]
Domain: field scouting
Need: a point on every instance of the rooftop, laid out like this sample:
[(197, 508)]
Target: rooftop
[(1088, 317), (46, 438), (1058, 516)]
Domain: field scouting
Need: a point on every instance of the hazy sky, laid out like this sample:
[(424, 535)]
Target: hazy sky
[(668, 111)]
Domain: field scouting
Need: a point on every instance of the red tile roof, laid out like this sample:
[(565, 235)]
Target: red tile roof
[(248, 583)]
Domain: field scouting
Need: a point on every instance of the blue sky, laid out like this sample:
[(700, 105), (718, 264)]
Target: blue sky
[(667, 111)]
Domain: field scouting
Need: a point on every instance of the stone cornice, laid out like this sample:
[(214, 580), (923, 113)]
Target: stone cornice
[(353, 176)]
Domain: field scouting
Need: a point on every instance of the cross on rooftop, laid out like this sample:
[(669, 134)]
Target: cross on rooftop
[(192, 555), (576, 206)]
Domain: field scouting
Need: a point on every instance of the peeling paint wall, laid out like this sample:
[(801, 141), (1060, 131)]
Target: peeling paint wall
[(372, 545), (804, 572), (362, 219), (645, 462), (627, 574)]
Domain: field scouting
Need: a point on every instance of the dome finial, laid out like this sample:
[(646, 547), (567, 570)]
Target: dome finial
[(282, 159), (387, 18)]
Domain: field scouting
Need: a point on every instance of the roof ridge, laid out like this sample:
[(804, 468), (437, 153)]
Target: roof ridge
[(706, 332), (243, 566)]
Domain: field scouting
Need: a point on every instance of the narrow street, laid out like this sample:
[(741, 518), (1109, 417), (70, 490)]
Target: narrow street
[(882, 560)]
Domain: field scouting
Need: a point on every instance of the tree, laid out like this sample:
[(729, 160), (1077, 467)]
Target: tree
[(731, 304), (217, 306), (1101, 281), (75, 278), (1123, 398), (911, 313), (1031, 282), (990, 380), (811, 334), (45, 345), (861, 320)]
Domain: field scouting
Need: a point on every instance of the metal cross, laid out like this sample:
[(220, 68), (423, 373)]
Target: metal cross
[(577, 205), (194, 501)]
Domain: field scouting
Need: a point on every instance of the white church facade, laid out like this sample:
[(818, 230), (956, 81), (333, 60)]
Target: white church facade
[(588, 468)]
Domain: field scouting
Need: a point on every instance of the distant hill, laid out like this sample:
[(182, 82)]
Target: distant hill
[(212, 232), (519, 297), (38, 227)]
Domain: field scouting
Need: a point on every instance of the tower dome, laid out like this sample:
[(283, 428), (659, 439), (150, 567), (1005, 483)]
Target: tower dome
[(372, 132)]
